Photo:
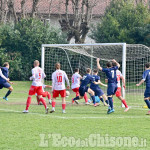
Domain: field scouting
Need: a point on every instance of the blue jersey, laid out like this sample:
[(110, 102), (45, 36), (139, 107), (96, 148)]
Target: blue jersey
[(86, 80), (111, 74), (146, 77), (95, 86), (5, 72)]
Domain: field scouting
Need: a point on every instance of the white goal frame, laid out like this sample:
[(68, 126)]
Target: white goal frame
[(96, 44)]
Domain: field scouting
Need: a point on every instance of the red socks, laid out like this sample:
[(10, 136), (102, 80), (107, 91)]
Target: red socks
[(85, 97), (38, 101), (28, 103), (125, 104), (53, 104), (43, 102), (49, 96), (63, 106)]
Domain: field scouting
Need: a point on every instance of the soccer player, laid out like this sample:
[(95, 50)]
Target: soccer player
[(76, 84), (58, 86), (44, 94), (4, 83), (118, 92), (95, 87), (37, 76), (112, 81), (87, 79), (146, 78)]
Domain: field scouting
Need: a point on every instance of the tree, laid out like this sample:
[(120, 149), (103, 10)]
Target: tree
[(34, 8), (122, 19), (77, 24)]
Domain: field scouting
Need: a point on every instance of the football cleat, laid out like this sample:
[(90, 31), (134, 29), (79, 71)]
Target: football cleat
[(110, 111), (5, 98), (63, 111), (76, 102), (148, 113), (126, 109), (46, 110), (25, 111), (72, 101), (87, 103)]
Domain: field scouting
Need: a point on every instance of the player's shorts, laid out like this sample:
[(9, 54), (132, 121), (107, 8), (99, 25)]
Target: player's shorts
[(147, 92), (5, 85), (35, 89), (76, 90), (83, 90), (57, 92), (44, 94), (118, 92), (112, 88), (98, 92)]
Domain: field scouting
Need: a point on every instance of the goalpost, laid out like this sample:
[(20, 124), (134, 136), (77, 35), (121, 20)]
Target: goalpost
[(131, 57)]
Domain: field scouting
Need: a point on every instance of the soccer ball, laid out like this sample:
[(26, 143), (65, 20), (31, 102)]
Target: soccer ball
[(67, 93)]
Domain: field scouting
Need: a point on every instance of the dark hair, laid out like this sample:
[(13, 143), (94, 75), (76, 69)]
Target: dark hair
[(147, 65), (88, 70), (5, 64), (95, 71), (109, 64), (57, 65), (76, 70), (114, 64)]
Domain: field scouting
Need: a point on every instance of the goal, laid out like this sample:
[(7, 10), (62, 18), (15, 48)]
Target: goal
[(131, 57)]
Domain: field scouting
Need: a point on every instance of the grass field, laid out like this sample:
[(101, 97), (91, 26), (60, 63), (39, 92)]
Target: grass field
[(82, 125)]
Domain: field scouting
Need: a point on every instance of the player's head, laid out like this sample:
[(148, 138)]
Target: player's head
[(95, 71), (88, 71), (36, 63), (6, 64), (147, 65), (76, 70), (114, 64), (109, 64), (57, 65)]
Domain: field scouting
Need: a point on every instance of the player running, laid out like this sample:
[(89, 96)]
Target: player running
[(87, 79), (4, 80), (95, 87), (112, 81), (76, 77), (146, 78), (37, 76), (118, 92), (44, 94), (58, 86)]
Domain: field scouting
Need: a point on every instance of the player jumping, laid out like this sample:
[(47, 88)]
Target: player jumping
[(76, 84), (146, 78), (58, 86), (37, 76), (87, 79), (4, 82), (95, 87), (112, 81)]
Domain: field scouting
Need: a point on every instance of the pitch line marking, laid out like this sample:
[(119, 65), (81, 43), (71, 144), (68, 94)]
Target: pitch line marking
[(60, 117)]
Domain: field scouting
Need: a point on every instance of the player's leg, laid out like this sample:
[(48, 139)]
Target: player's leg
[(90, 91), (38, 101), (76, 90), (81, 95), (63, 95), (124, 102), (105, 101), (148, 104), (8, 86), (49, 97), (86, 99), (55, 95)]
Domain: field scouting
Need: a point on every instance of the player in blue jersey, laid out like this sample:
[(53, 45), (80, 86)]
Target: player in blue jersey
[(5, 83), (112, 81), (87, 79), (95, 87), (146, 78)]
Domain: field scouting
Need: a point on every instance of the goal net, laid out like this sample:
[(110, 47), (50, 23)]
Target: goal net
[(131, 57)]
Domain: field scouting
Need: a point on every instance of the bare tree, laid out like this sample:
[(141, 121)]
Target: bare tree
[(77, 23), (3, 10), (22, 8), (34, 8), (11, 11)]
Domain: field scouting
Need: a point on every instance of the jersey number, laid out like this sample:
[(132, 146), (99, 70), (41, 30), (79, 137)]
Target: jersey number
[(59, 78), (112, 73), (72, 80), (39, 75)]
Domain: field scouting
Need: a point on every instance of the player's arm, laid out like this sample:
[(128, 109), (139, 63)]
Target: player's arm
[(48, 86), (116, 63), (100, 83), (123, 81), (98, 64), (33, 75), (67, 80), (53, 82), (1, 74), (142, 81)]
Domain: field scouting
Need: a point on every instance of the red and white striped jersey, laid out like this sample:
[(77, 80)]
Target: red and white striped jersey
[(119, 75), (75, 80)]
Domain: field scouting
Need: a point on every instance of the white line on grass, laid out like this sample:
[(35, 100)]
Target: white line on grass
[(60, 117)]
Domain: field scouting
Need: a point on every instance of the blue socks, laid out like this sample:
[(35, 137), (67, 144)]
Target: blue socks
[(107, 102), (93, 98), (147, 103), (110, 102), (8, 93), (76, 98), (102, 99)]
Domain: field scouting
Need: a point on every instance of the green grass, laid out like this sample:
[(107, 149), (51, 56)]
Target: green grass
[(23, 131)]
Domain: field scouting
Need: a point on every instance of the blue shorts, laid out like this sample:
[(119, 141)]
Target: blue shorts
[(112, 88), (98, 92), (82, 90), (5, 85), (147, 92)]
